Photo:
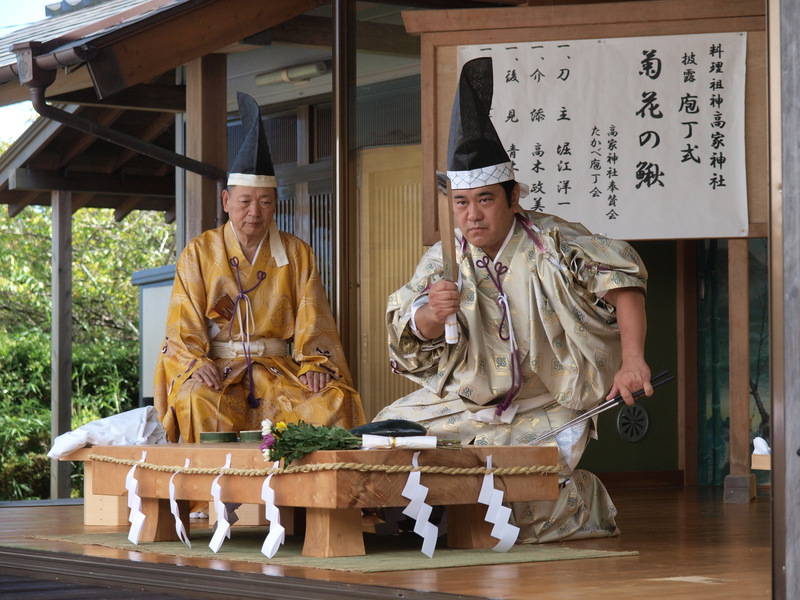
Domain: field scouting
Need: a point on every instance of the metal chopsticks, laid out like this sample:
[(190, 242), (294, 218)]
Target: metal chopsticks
[(657, 380)]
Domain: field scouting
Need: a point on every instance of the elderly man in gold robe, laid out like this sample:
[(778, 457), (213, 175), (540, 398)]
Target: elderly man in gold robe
[(550, 319), (243, 293)]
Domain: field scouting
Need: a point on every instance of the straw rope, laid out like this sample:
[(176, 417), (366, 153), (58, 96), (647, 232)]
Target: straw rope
[(336, 466)]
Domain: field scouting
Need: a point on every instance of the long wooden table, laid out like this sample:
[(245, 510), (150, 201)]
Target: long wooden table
[(333, 499)]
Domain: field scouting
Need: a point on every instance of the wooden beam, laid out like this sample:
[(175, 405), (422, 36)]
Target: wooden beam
[(95, 183), (83, 141), (740, 484), (27, 147), (784, 292), (381, 38), (151, 132), (194, 29), (126, 208), (61, 337), (378, 38), (11, 93), (523, 17), (80, 201), (206, 138), (89, 200), (686, 323), (146, 203), (144, 96), (345, 256), (758, 230), (77, 79), (440, 4), (23, 201)]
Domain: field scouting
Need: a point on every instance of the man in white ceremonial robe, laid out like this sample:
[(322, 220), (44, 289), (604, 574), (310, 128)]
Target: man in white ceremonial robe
[(550, 319)]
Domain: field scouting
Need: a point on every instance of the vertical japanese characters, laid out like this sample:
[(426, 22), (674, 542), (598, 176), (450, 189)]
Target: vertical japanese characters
[(637, 138)]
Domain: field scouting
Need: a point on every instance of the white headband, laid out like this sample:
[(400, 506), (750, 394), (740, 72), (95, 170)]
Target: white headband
[(475, 178), (252, 180)]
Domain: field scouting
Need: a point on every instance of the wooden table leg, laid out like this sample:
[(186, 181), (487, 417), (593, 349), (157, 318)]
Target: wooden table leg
[(100, 509), (293, 519), (467, 527), (159, 524), (333, 532)]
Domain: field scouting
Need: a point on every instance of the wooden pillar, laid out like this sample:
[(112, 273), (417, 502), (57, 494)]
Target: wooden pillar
[(784, 42), (345, 191), (740, 485), (61, 336), (180, 174), (206, 138), (687, 351)]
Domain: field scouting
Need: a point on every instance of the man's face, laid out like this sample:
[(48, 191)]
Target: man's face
[(484, 216), (250, 209)]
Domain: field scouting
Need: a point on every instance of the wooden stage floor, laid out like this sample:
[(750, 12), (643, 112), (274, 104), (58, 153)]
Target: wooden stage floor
[(690, 544)]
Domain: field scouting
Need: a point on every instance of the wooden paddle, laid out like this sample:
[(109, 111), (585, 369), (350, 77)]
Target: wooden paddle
[(449, 259)]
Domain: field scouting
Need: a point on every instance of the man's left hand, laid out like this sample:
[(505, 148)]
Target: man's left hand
[(632, 377), (315, 380)]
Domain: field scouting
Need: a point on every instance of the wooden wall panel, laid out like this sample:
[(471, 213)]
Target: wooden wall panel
[(389, 214)]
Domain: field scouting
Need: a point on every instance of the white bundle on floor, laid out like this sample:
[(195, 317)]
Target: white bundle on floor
[(133, 427)]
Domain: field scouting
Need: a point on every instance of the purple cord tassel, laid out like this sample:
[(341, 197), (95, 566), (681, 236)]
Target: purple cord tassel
[(516, 383), (251, 397), (516, 366)]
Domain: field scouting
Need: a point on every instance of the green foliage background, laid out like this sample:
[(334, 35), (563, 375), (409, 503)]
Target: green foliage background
[(105, 352)]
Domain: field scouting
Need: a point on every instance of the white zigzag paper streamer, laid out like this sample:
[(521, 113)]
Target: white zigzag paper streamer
[(419, 511), (136, 516), (180, 528), (223, 529), (496, 513), (277, 532)]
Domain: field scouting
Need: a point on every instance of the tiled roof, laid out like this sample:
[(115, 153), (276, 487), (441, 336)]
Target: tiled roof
[(67, 6), (69, 26)]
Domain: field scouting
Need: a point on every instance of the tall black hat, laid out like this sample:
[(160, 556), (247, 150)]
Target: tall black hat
[(253, 164), (475, 155)]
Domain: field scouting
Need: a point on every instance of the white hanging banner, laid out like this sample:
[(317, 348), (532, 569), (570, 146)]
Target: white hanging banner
[(636, 138)]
